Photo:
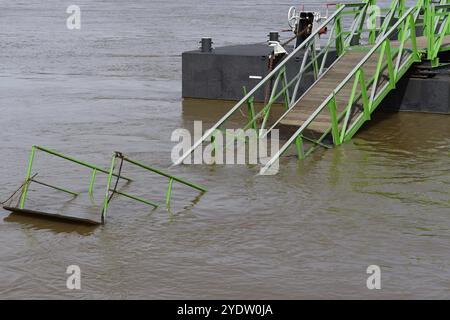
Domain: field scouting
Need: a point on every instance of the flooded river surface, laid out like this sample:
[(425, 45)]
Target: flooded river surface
[(309, 232)]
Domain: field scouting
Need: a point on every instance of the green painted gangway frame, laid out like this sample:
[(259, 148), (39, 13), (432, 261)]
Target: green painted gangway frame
[(110, 192), (395, 50), (396, 45)]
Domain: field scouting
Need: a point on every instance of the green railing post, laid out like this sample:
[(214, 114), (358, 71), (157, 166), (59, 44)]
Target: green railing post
[(447, 32), (412, 26), (441, 20), (299, 146), (285, 90), (366, 105), (363, 20), (401, 12), (251, 110), (314, 60), (334, 121), (339, 38), (392, 75), (377, 74), (349, 106), (91, 184), (108, 186), (213, 143), (27, 179), (169, 193), (373, 19), (429, 27)]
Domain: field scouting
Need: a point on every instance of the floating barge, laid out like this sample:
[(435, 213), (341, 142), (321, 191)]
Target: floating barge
[(221, 73)]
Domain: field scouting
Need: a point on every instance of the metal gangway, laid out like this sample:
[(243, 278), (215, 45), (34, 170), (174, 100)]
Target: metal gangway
[(370, 60)]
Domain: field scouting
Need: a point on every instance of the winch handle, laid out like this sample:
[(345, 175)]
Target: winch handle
[(293, 17)]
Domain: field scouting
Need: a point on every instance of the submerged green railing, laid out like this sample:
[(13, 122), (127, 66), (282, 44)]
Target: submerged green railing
[(30, 178), (110, 192)]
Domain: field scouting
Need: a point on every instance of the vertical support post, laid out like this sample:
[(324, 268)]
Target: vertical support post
[(373, 17), (412, 26), (169, 193), (299, 146), (447, 31), (91, 184), (440, 34), (27, 179), (429, 28), (300, 73), (388, 19), (213, 142), (377, 75), (108, 186), (339, 37), (401, 12), (366, 106), (314, 60), (251, 110), (349, 106), (362, 21), (286, 90), (392, 74), (334, 121)]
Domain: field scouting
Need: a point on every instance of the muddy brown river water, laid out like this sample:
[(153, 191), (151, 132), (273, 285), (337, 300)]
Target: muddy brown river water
[(309, 232)]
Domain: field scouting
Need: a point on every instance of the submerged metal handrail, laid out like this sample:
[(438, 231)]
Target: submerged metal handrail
[(110, 192), (110, 173), (28, 179)]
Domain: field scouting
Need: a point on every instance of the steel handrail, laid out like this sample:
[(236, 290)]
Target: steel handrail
[(259, 85), (338, 88)]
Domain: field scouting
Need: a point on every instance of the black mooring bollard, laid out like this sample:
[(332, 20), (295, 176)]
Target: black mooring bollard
[(274, 36), (206, 45)]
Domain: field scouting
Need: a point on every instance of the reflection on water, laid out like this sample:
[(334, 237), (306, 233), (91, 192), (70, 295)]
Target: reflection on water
[(308, 232)]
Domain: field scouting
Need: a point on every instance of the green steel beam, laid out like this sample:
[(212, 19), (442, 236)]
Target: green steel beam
[(366, 105), (182, 181), (91, 184), (55, 187), (108, 187), (151, 203), (349, 106), (169, 193), (339, 37), (373, 31), (82, 163), (299, 146), (332, 105), (27, 179), (251, 110), (389, 58)]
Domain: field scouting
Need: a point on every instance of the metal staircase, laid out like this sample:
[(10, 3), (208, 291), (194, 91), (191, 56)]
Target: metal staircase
[(370, 61)]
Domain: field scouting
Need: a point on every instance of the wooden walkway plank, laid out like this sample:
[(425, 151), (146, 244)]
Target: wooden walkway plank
[(315, 96)]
